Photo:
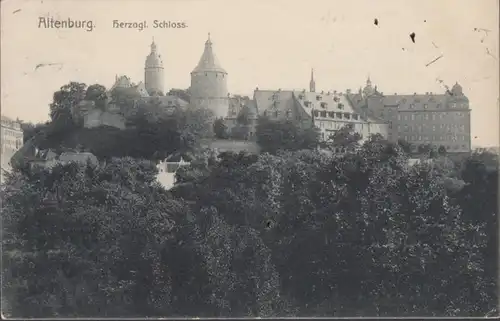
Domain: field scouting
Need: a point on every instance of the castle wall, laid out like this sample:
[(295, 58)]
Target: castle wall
[(97, 117), (209, 90)]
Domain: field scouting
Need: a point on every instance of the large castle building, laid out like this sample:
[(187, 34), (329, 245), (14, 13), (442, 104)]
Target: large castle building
[(421, 119), (439, 119), (327, 110)]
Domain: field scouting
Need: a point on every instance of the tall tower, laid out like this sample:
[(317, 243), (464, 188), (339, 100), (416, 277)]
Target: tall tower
[(312, 83), (153, 72), (209, 83)]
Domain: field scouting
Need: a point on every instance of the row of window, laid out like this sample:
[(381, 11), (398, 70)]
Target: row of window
[(10, 124), (319, 98), (430, 116), (452, 105), (435, 138), (331, 114), (11, 133), (336, 125), (323, 105), (425, 127), (277, 113)]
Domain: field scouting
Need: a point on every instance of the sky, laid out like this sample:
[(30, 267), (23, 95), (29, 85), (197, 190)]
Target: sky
[(268, 44)]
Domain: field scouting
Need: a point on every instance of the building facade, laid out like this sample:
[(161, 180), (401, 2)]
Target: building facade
[(441, 119), (12, 135), (11, 140), (327, 111), (209, 83)]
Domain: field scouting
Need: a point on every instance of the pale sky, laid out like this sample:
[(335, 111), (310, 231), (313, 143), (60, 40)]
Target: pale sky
[(266, 43)]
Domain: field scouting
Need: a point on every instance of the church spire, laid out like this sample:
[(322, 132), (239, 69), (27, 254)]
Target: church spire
[(312, 83)]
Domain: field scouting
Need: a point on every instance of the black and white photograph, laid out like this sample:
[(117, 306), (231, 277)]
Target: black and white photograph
[(249, 158)]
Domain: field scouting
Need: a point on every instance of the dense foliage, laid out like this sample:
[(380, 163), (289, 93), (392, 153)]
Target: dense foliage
[(293, 232), (152, 132), (273, 136), (297, 233)]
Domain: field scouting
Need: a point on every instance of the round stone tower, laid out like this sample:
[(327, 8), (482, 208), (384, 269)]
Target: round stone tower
[(209, 83), (153, 72)]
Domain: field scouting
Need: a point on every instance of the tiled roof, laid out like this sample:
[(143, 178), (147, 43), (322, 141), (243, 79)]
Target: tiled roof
[(328, 101), (265, 100), (208, 60), (407, 102), (141, 88), (331, 102), (411, 102)]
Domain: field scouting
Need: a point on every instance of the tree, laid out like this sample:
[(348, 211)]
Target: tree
[(243, 117), (240, 132), (98, 94), (63, 101), (220, 129), (183, 94), (345, 138), (284, 135), (406, 146), (92, 264), (31, 130)]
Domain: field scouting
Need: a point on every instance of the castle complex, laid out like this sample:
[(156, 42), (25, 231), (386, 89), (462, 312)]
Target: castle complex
[(420, 119)]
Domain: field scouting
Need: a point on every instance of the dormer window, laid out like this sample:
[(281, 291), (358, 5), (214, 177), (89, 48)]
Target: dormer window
[(323, 105), (412, 106), (337, 99), (341, 106), (355, 116), (306, 103), (316, 113), (318, 97), (331, 114), (339, 115), (347, 116), (301, 96)]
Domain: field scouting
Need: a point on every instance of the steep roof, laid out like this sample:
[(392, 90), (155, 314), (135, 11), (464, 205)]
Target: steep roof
[(273, 100), (208, 60), (336, 102)]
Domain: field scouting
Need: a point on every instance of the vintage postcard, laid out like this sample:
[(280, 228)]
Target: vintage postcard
[(249, 158)]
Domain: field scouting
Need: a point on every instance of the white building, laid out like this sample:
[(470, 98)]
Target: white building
[(11, 140)]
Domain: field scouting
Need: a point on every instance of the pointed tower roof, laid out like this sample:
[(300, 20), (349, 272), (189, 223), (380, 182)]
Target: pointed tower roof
[(208, 61), (312, 83)]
